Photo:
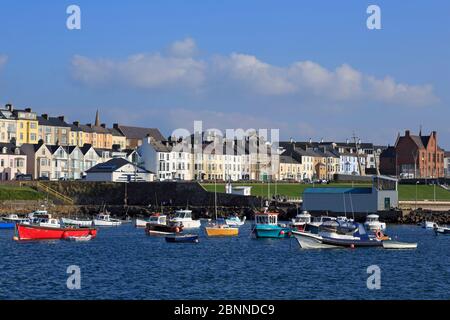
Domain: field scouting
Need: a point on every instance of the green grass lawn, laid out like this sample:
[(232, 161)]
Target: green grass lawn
[(19, 193), (295, 190)]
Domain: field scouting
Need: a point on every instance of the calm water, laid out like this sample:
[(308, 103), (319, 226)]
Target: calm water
[(124, 263)]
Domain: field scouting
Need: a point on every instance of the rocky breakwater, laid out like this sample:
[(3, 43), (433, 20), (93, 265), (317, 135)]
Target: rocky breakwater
[(418, 216)]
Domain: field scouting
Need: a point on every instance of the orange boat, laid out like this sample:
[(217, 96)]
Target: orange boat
[(35, 232)]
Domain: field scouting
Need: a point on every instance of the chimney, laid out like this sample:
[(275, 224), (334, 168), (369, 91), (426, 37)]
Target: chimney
[(103, 125), (407, 132), (9, 106), (62, 118), (116, 126), (76, 123), (310, 140), (45, 116), (28, 109), (89, 124)]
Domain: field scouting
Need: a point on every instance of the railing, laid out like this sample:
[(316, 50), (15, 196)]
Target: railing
[(54, 193)]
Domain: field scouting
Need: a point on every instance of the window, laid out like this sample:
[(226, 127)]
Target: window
[(32, 125)]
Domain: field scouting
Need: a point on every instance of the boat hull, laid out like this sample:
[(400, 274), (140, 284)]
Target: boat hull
[(192, 224), (352, 242), (182, 239), (398, 245), (103, 223), (80, 223), (308, 240), (221, 232), (271, 231), (140, 223), (440, 230), (30, 232), (162, 229)]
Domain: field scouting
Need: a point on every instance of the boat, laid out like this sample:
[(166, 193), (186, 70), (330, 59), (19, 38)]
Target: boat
[(316, 222), (76, 222), (398, 245), (372, 223), (153, 219), (105, 220), (192, 238), (42, 219), (235, 221), (158, 225), (308, 240), (80, 239), (36, 232), (267, 226), (185, 218), (428, 224), (220, 228), (14, 218), (300, 221), (442, 230), (334, 234)]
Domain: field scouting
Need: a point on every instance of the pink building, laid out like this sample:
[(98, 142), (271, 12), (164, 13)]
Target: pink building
[(12, 162)]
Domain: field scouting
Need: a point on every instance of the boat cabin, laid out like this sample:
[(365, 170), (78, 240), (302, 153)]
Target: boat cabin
[(372, 218), (303, 217), (157, 219), (103, 217), (183, 214), (270, 218)]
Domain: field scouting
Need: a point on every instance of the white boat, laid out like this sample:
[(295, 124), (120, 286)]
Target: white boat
[(77, 222), (398, 245), (300, 221), (307, 240), (235, 221), (428, 225), (316, 222), (15, 219), (105, 220), (154, 219), (372, 223), (185, 218), (79, 239), (442, 230)]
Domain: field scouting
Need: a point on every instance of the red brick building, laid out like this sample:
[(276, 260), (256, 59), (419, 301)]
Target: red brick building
[(419, 156)]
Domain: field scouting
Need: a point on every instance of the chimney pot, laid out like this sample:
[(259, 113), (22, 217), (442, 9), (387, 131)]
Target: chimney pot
[(28, 109), (407, 132), (103, 125), (45, 116), (62, 118), (76, 123)]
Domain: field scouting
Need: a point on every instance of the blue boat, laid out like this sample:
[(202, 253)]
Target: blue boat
[(7, 225), (267, 226), (183, 238)]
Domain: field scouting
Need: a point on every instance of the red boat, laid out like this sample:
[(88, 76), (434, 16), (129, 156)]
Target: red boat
[(34, 232)]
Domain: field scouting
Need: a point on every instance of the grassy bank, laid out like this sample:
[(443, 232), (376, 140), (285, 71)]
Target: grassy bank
[(19, 193), (295, 190)]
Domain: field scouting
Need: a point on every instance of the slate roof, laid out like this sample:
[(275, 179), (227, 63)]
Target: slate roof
[(10, 149), (140, 133), (53, 122), (111, 166), (288, 159)]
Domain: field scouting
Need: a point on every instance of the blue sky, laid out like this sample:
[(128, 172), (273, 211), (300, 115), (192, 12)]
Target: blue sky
[(310, 68)]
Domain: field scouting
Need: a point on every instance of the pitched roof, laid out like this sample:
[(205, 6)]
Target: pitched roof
[(140, 133), (288, 159), (112, 165), (10, 149), (52, 121)]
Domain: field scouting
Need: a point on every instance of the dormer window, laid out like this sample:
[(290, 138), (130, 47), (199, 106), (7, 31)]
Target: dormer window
[(4, 150), (17, 151)]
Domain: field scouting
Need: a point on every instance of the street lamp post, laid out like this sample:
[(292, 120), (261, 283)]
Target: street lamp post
[(417, 182)]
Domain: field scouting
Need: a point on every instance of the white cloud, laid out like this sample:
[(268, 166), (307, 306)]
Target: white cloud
[(183, 48), (248, 75)]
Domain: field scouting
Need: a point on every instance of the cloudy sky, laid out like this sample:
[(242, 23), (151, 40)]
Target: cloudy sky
[(309, 68)]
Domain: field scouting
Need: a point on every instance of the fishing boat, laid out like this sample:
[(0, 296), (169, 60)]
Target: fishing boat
[(36, 232), (235, 221), (190, 238), (105, 220), (42, 219), (158, 225), (398, 245), (76, 222), (308, 240), (300, 221), (14, 218), (185, 218), (373, 223), (428, 224), (316, 222), (153, 219), (79, 239), (267, 226), (442, 230)]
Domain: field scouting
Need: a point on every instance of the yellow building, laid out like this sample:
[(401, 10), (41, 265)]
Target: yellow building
[(289, 169), (76, 135), (27, 130), (97, 134)]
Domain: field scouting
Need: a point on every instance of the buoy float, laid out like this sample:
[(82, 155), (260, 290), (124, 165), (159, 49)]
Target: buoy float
[(352, 246)]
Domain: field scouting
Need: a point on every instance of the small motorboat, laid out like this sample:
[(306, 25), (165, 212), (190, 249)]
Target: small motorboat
[(267, 226), (153, 219), (398, 245), (220, 228), (36, 232), (185, 218), (80, 239), (428, 224), (76, 222), (235, 221), (183, 238), (105, 220), (160, 228), (308, 240), (442, 230), (14, 218), (373, 223)]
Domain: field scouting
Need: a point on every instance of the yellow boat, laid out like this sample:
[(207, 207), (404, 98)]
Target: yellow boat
[(220, 230)]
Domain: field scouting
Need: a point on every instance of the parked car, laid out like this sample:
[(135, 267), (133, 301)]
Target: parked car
[(44, 178), (24, 177)]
